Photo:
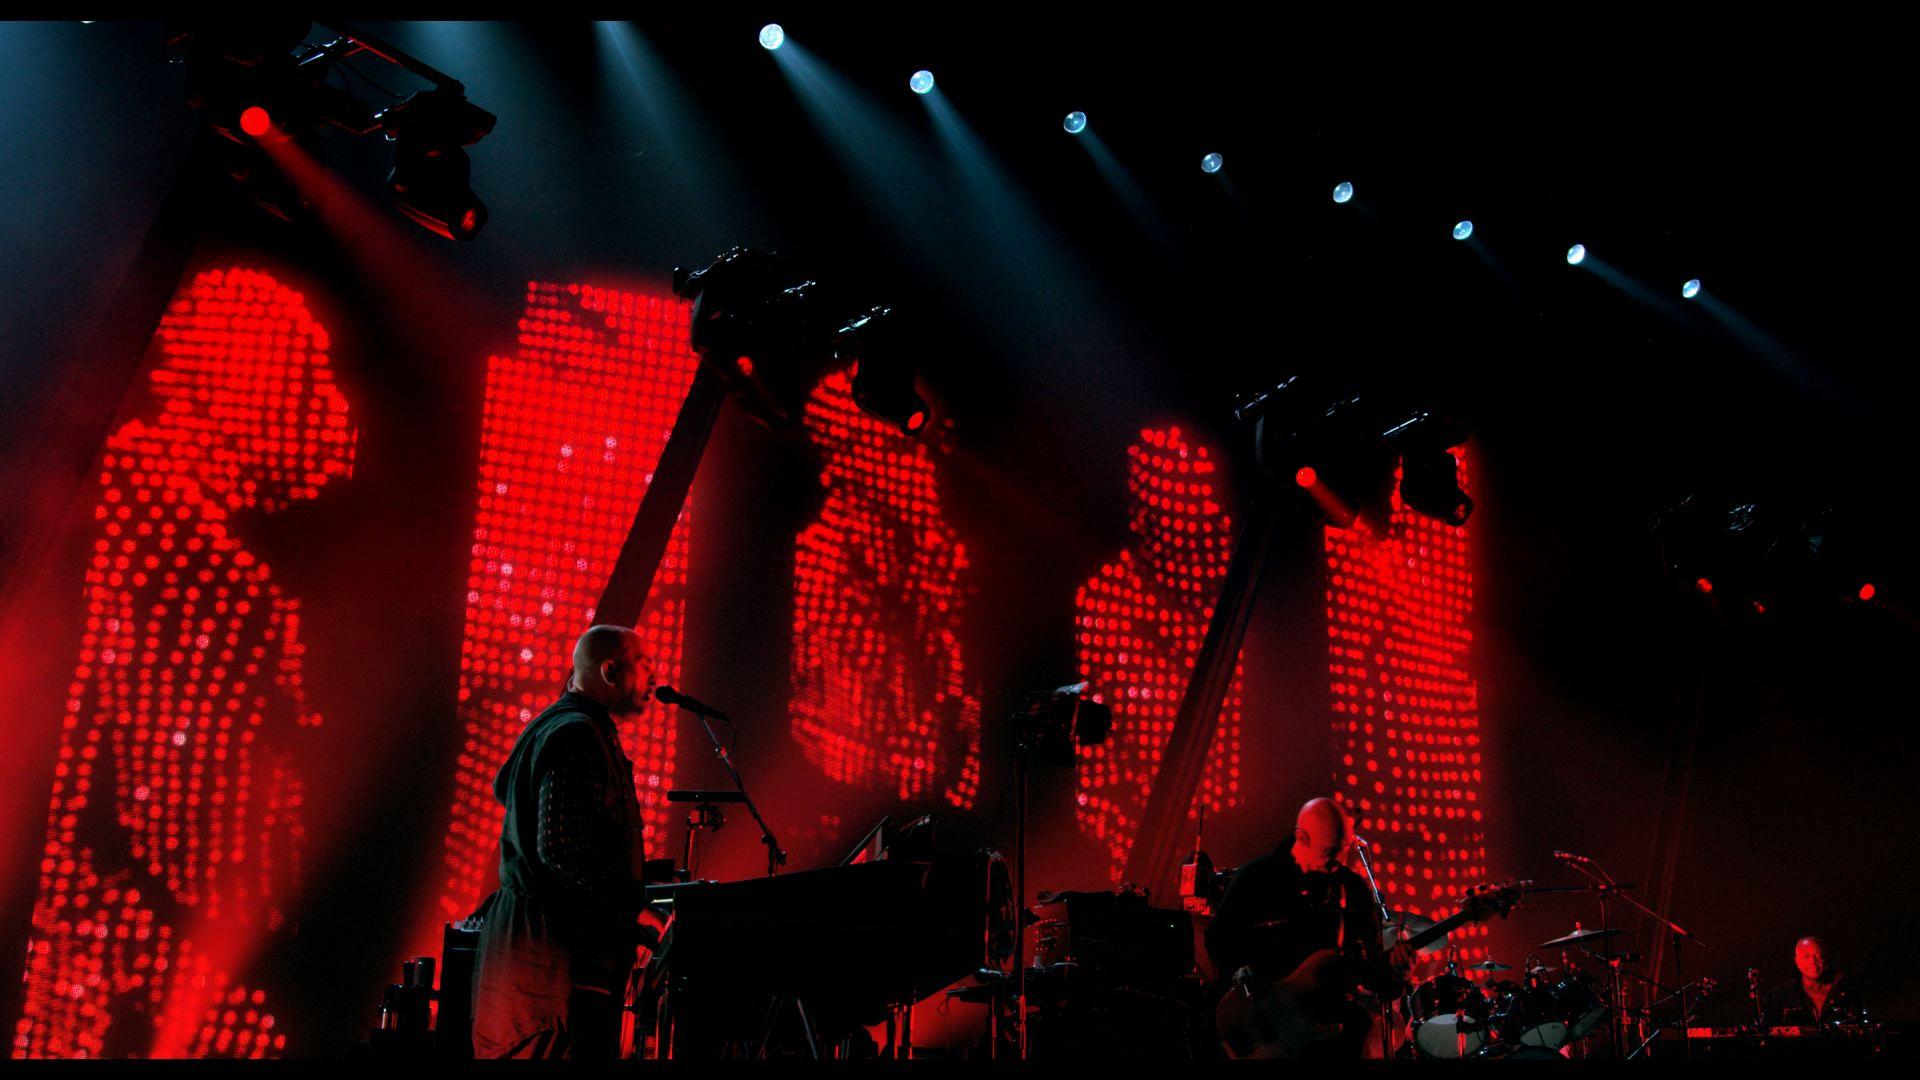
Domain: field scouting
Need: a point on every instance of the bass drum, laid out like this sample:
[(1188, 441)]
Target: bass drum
[(1580, 1003), (1547, 1015), (1450, 1018)]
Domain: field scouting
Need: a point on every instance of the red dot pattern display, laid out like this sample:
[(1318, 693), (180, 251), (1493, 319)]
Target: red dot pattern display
[(175, 829), (1406, 738), (575, 421), (1140, 622), (881, 697)]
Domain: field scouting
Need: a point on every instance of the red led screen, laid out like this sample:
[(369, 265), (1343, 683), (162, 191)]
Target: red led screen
[(881, 695), (1406, 737), (1140, 622), (575, 421), (175, 830)]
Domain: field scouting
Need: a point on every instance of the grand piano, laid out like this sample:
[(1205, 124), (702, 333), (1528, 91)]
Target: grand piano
[(841, 947)]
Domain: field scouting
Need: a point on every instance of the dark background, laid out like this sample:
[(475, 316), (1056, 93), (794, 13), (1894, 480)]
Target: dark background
[(1063, 318)]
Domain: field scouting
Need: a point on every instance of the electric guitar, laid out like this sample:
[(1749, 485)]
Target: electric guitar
[(1281, 1018)]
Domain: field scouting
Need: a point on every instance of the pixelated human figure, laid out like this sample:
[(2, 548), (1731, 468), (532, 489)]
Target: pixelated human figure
[(1140, 622), (1405, 706), (881, 695), (575, 420), (176, 818)]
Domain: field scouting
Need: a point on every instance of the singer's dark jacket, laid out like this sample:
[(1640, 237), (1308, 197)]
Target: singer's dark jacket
[(561, 928)]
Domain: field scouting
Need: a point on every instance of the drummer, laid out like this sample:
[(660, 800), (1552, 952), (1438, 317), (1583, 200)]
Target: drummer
[(1821, 995)]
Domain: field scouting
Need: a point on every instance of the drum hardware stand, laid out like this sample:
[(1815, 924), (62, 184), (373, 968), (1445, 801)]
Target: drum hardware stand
[(1608, 887), (1704, 986), (1604, 886)]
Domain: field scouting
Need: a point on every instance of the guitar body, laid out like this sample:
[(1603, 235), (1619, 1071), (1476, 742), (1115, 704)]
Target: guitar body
[(1284, 1018)]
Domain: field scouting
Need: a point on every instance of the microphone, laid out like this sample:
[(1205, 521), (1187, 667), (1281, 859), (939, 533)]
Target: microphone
[(1567, 856), (1360, 841), (668, 695)]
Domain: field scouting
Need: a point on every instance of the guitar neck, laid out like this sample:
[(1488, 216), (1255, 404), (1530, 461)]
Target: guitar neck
[(1441, 929)]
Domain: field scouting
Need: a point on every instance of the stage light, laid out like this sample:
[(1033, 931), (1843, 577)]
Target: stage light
[(431, 173), (922, 82), (1075, 123), (1429, 471), (772, 37), (1867, 591), (1575, 254), (255, 121), (247, 84), (1343, 192), (1211, 163), (1691, 289), (1703, 585), (875, 347), (1344, 453), (1462, 230)]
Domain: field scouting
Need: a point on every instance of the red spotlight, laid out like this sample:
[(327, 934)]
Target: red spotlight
[(745, 364), (919, 420), (1306, 477), (1703, 585), (1867, 591), (255, 121)]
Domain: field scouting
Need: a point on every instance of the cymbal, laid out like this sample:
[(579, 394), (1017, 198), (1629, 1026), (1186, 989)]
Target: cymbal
[(1402, 925), (1490, 965), (1579, 937)]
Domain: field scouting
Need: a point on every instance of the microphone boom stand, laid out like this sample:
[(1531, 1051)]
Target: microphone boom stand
[(776, 856), (1386, 919)]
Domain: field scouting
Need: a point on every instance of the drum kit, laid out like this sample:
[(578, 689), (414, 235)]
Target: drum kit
[(1547, 1012)]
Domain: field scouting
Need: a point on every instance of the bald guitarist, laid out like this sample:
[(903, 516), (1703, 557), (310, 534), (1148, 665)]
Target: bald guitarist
[(1302, 935)]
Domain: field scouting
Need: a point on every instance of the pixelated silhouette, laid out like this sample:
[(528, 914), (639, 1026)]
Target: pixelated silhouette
[(881, 695), (1140, 621), (175, 830)]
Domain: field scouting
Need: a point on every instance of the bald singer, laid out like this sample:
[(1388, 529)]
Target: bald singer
[(561, 933), (1303, 897)]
